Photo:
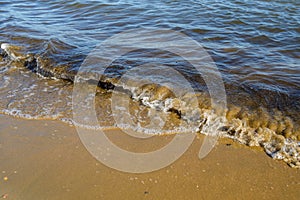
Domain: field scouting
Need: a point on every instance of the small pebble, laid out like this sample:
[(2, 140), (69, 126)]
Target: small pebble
[(4, 196), (5, 178)]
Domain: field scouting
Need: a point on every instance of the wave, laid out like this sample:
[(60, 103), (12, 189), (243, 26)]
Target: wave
[(273, 129)]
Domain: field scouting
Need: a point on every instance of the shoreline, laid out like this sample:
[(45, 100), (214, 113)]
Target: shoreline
[(44, 159)]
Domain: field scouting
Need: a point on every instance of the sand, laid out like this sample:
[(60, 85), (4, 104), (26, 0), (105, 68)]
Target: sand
[(44, 159)]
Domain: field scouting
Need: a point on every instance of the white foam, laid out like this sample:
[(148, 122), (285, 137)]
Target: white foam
[(4, 46)]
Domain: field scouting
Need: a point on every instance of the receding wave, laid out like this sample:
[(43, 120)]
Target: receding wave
[(39, 85)]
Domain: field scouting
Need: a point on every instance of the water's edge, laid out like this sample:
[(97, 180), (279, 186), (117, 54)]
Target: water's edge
[(274, 131)]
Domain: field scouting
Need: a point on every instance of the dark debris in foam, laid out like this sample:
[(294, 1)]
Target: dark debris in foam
[(3, 54), (101, 84), (32, 64)]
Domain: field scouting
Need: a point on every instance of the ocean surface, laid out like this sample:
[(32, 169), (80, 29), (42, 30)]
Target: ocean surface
[(254, 45)]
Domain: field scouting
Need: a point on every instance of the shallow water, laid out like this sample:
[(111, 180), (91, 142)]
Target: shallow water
[(255, 46)]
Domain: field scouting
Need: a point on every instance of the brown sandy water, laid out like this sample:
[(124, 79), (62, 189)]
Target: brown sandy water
[(28, 95), (44, 159)]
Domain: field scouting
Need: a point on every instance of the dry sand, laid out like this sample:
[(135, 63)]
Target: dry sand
[(43, 159)]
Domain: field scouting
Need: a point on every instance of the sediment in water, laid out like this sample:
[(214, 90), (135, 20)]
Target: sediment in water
[(272, 129)]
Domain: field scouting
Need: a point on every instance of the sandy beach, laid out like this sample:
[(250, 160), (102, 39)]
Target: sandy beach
[(44, 159), (173, 71)]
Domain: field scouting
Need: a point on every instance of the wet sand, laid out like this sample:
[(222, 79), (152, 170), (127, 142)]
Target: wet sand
[(43, 159)]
